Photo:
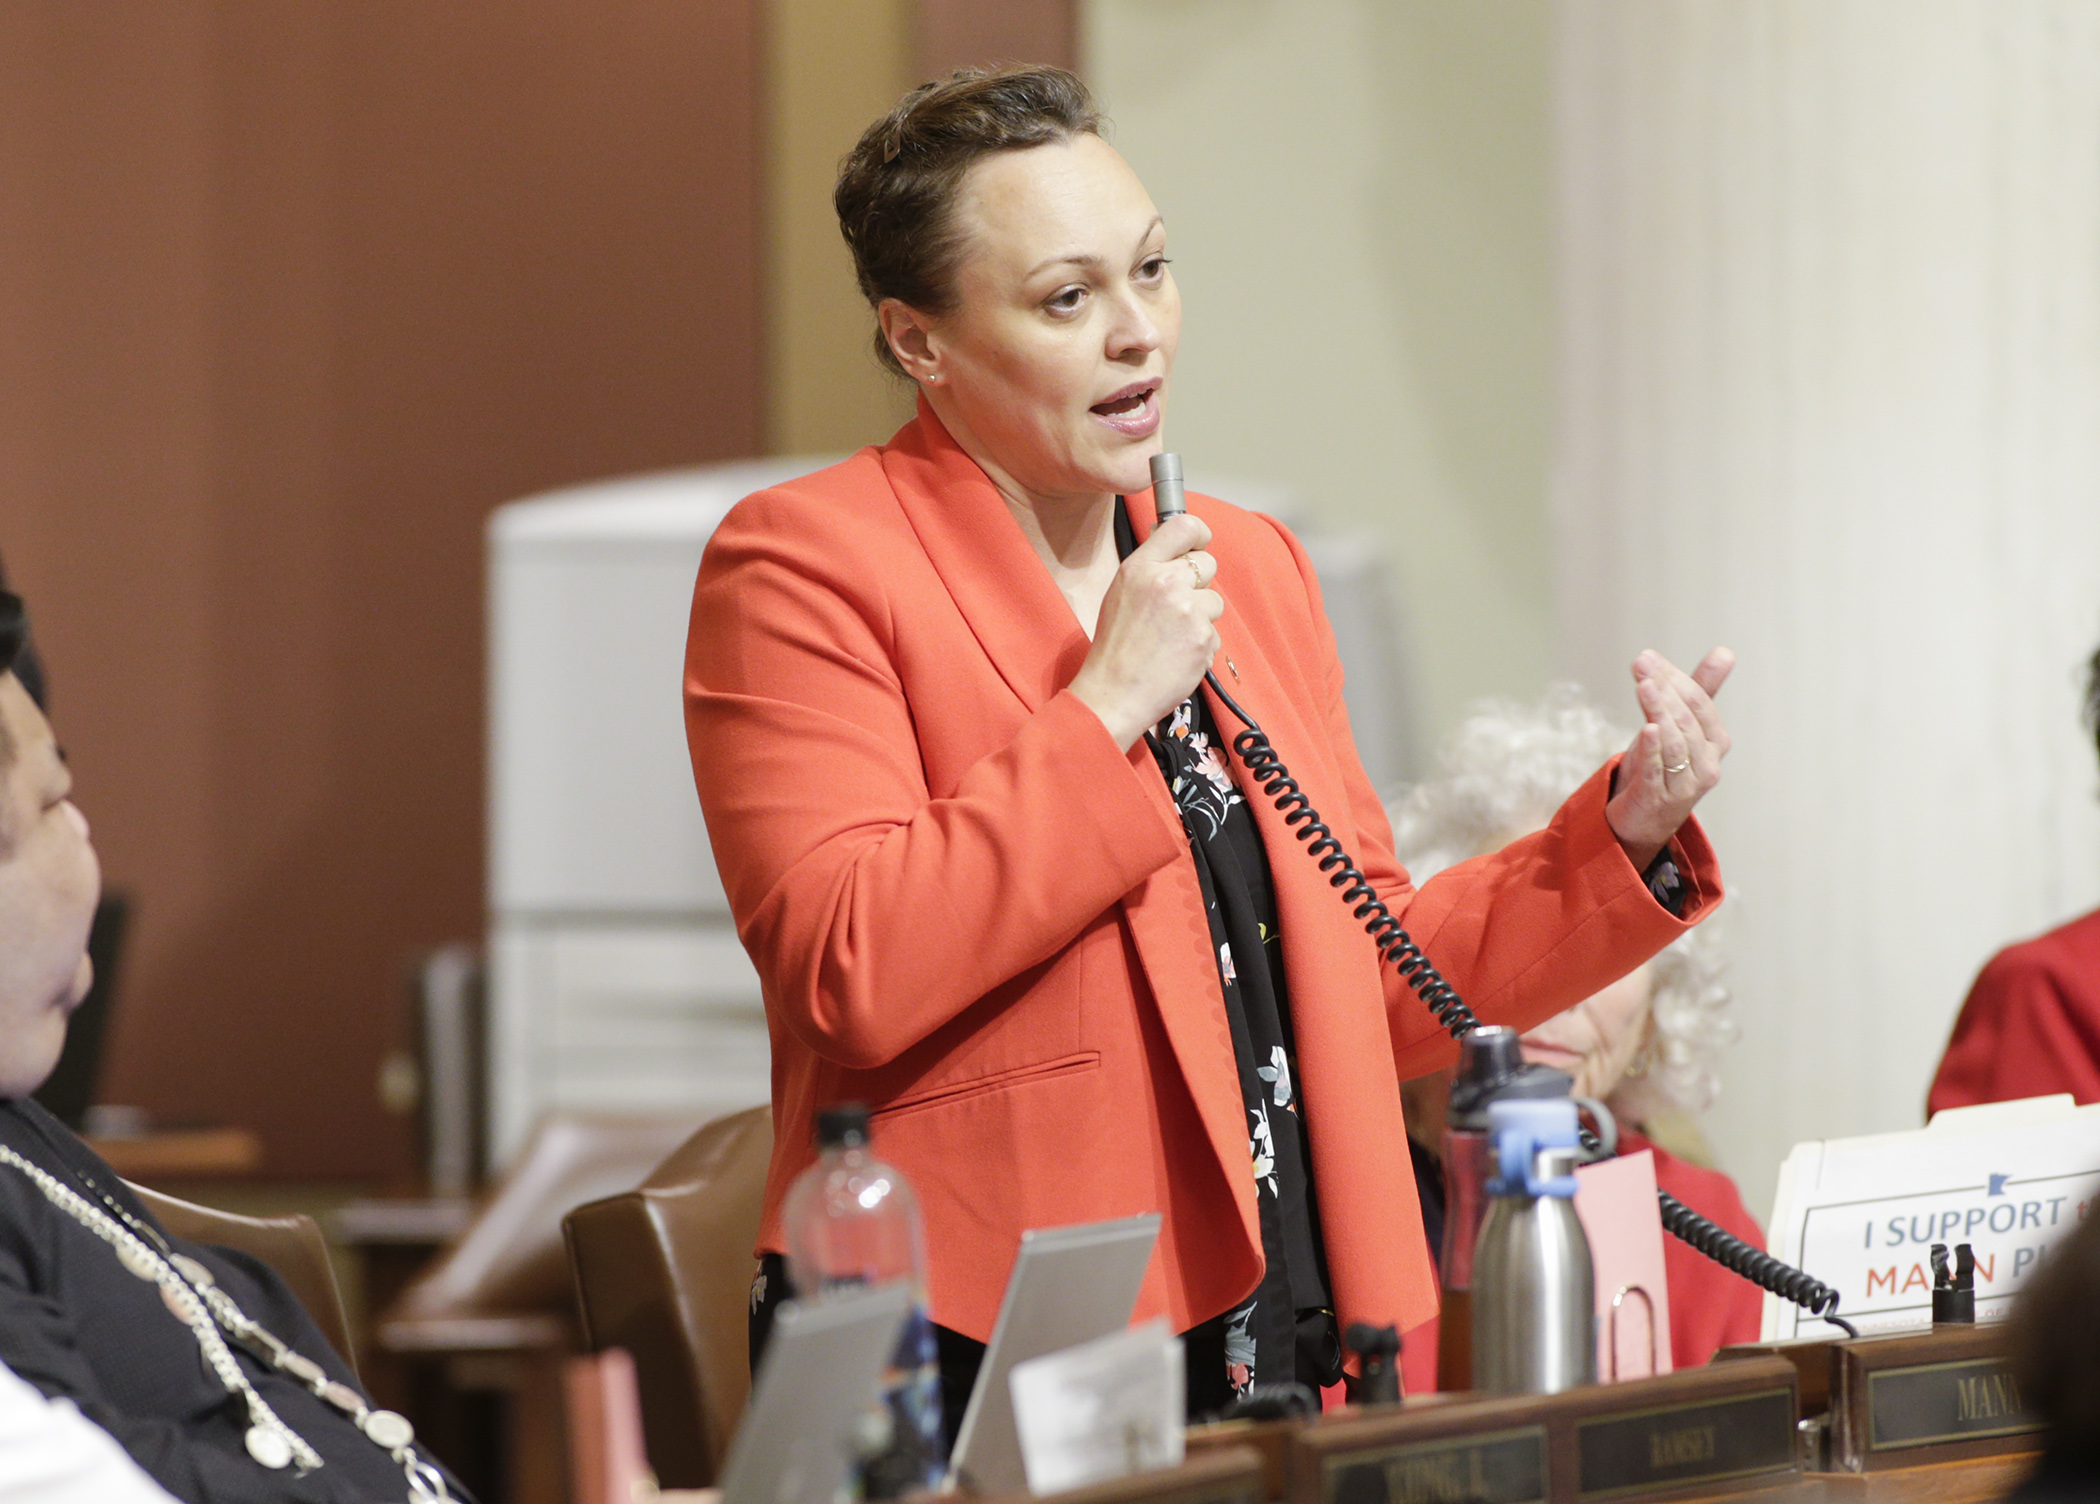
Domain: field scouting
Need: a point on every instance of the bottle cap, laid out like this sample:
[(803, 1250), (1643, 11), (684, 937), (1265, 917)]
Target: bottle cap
[(1491, 1068), (844, 1126), (1521, 1129)]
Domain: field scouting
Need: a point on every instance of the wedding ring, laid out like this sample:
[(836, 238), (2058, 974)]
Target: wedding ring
[(1197, 570), (1677, 767)]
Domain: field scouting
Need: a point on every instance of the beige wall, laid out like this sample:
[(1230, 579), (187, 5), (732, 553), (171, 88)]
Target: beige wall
[(832, 66), (1356, 194), (1830, 362)]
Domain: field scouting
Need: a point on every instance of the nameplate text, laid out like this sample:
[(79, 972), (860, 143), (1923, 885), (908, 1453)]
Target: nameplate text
[(1503, 1467), (1935, 1402), (1680, 1444)]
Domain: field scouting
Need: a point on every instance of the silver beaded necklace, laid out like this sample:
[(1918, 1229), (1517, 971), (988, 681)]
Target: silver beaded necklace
[(195, 1299)]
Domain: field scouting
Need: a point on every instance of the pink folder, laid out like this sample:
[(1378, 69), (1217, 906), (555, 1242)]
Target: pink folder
[(1615, 1199)]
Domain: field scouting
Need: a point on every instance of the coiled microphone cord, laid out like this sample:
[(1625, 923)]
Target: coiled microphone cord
[(1397, 948)]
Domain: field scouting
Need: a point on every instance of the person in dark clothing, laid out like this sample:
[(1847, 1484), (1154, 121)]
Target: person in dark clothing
[(2056, 1360), (2056, 1364), (197, 1360)]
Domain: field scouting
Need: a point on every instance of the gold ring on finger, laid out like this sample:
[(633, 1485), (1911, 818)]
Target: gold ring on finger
[(1196, 568), (1677, 767)]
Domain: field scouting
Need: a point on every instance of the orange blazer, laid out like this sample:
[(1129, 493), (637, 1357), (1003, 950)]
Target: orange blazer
[(972, 911)]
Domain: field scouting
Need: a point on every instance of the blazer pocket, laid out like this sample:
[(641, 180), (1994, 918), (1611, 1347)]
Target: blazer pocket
[(956, 1092)]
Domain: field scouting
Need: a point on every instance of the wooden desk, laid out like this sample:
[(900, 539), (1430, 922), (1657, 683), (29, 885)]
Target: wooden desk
[(1308, 1462), (1211, 1475), (1979, 1480), (393, 1239), (1944, 1427), (181, 1154), (1710, 1433)]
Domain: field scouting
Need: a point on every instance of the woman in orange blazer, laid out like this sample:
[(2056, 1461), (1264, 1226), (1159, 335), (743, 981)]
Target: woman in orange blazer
[(918, 689)]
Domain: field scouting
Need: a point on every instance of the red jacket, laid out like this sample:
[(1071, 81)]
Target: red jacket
[(2031, 1025), (972, 911)]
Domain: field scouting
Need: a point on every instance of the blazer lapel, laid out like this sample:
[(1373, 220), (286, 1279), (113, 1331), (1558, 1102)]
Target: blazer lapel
[(1027, 630), (1172, 934), (1014, 609), (1351, 1095)]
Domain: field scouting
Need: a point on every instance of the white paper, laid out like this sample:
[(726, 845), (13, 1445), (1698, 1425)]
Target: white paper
[(2011, 1180), (1104, 1409)]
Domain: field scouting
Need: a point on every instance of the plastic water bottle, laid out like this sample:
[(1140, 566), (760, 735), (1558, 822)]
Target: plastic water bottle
[(850, 1220)]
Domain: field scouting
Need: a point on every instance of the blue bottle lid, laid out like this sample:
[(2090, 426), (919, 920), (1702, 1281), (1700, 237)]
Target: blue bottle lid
[(1519, 1128)]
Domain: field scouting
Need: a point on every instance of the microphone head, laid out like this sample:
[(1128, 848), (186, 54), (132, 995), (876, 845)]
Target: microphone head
[(1166, 486)]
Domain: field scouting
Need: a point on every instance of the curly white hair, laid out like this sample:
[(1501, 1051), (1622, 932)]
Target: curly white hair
[(1507, 769)]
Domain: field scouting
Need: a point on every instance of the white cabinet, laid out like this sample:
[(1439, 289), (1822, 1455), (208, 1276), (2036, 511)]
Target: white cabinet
[(637, 1017), (616, 981)]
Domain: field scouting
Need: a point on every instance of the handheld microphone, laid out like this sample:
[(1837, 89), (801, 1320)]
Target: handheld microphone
[(1166, 486)]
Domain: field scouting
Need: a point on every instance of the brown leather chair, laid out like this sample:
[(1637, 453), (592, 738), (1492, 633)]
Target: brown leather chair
[(292, 1246), (495, 1314), (665, 1272)]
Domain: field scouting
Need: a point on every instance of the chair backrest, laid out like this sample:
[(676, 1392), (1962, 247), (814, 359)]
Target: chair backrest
[(292, 1246), (665, 1272), (509, 1259)]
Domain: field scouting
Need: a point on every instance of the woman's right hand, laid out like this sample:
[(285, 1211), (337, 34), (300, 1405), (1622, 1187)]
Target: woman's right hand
[(1155, 635)]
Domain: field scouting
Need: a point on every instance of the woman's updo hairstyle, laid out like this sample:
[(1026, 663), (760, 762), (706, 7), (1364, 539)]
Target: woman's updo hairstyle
[(896, 190)]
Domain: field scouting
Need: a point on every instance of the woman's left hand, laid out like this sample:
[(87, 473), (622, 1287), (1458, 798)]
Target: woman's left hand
[(1676, 757)]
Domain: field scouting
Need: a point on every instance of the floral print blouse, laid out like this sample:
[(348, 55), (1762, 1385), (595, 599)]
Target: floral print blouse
[(1286, 1331)]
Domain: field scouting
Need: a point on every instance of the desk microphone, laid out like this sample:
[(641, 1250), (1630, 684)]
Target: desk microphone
[(1166, 486)]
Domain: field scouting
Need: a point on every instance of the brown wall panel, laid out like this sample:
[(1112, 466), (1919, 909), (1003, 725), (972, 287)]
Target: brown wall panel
[(290, 297), (960, 33)]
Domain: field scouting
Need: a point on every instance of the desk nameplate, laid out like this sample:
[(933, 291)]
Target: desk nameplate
[(1641, 1439), (1942, 1402), (1495, 1467), (1686, 1445), (1943, 1395)]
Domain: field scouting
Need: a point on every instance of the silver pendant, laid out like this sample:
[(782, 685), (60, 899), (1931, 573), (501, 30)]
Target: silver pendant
[(268, 1448), (387, 1428), (192, 1271), (182, 1302), (136, 1258)]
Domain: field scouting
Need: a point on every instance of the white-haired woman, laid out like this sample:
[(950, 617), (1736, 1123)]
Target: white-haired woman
[(1646, 1045)]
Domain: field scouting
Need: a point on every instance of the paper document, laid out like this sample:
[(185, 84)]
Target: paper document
[(1102, 1410), (1861, 1214)]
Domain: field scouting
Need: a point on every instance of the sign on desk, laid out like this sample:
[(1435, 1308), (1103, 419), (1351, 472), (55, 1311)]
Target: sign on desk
[(1496, 1467), (2011, 1180)]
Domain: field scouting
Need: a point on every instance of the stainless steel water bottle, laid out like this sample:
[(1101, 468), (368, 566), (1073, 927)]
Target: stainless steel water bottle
[(1491, 1068), (1534, 1290)]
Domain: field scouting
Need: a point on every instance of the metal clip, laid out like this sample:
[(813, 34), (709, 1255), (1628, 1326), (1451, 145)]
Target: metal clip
[(1618, 1299)]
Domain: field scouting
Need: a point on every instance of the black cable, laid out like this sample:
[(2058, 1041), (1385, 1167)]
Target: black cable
[(1397, 948)]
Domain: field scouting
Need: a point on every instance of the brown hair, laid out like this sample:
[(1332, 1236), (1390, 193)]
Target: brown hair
[(896, 189)]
